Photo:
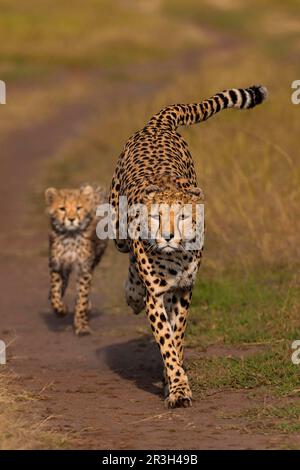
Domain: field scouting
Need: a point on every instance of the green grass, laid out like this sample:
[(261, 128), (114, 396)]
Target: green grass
[(269, 418), (269, 371), (285, 418), (257, 312), (242, 307)]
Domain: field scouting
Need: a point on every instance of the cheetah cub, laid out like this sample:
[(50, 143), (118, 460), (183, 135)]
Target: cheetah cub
[(73, 243)]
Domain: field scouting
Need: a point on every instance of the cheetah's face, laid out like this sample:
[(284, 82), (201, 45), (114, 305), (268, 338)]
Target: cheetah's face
[(172, 218), (70, 210)]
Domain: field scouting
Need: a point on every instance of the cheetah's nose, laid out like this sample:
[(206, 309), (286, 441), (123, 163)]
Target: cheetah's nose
[(169, 236), (71, 219)]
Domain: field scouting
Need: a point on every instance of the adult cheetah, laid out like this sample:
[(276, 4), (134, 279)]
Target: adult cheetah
[(155, 168)]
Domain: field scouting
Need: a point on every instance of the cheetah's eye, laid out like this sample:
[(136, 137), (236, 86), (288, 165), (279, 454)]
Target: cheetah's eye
[(62, 209), (79, 208)]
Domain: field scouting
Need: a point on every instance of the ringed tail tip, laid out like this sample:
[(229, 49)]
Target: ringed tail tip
[(260, 94)]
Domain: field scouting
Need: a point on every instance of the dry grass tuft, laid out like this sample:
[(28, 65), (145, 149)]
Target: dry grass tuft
[(17, 409)]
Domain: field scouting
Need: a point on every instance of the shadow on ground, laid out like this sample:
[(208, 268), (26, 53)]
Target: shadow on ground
[(138, 361), (55, 323)]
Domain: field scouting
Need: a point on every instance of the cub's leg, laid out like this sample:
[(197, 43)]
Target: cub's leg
[(65, 280), (84, 281), (179, 390), (135, 291), (56, 292)]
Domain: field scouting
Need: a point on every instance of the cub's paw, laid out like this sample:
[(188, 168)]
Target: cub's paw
[(179, 397), (82, 329), (60, 310)]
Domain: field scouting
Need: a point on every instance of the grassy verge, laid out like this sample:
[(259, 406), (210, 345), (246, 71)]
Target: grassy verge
[(283, 418), (256, 318), (270, 371), (257, 307)]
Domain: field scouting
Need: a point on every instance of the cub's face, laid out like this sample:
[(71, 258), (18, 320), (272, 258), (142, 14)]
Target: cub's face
[(70, 210)]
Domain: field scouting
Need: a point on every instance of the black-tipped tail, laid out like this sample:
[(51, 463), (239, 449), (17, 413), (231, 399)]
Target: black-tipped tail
[(246, 98), (187, 114)]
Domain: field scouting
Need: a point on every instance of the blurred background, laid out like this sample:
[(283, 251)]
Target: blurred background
[(83, 76), (121, 61)]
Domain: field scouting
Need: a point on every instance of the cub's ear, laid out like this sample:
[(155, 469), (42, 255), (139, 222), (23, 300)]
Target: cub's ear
[(87, 190), (152, 188), (101, 194), (50, 195), (197, 192)]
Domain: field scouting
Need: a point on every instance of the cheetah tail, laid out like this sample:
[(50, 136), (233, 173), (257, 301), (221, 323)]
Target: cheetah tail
[(183, 115)]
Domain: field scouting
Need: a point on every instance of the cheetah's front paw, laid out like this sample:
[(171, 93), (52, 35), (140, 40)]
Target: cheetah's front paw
[(179, 397)]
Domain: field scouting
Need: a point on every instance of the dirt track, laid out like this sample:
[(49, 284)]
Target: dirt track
[(105, 389)]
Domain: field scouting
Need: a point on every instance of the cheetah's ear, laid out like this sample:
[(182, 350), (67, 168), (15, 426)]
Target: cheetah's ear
[(152, 188), (182, 182), (50, 195), (197, 192)]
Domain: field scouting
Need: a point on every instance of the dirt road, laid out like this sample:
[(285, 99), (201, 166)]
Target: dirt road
[(103, 390)]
